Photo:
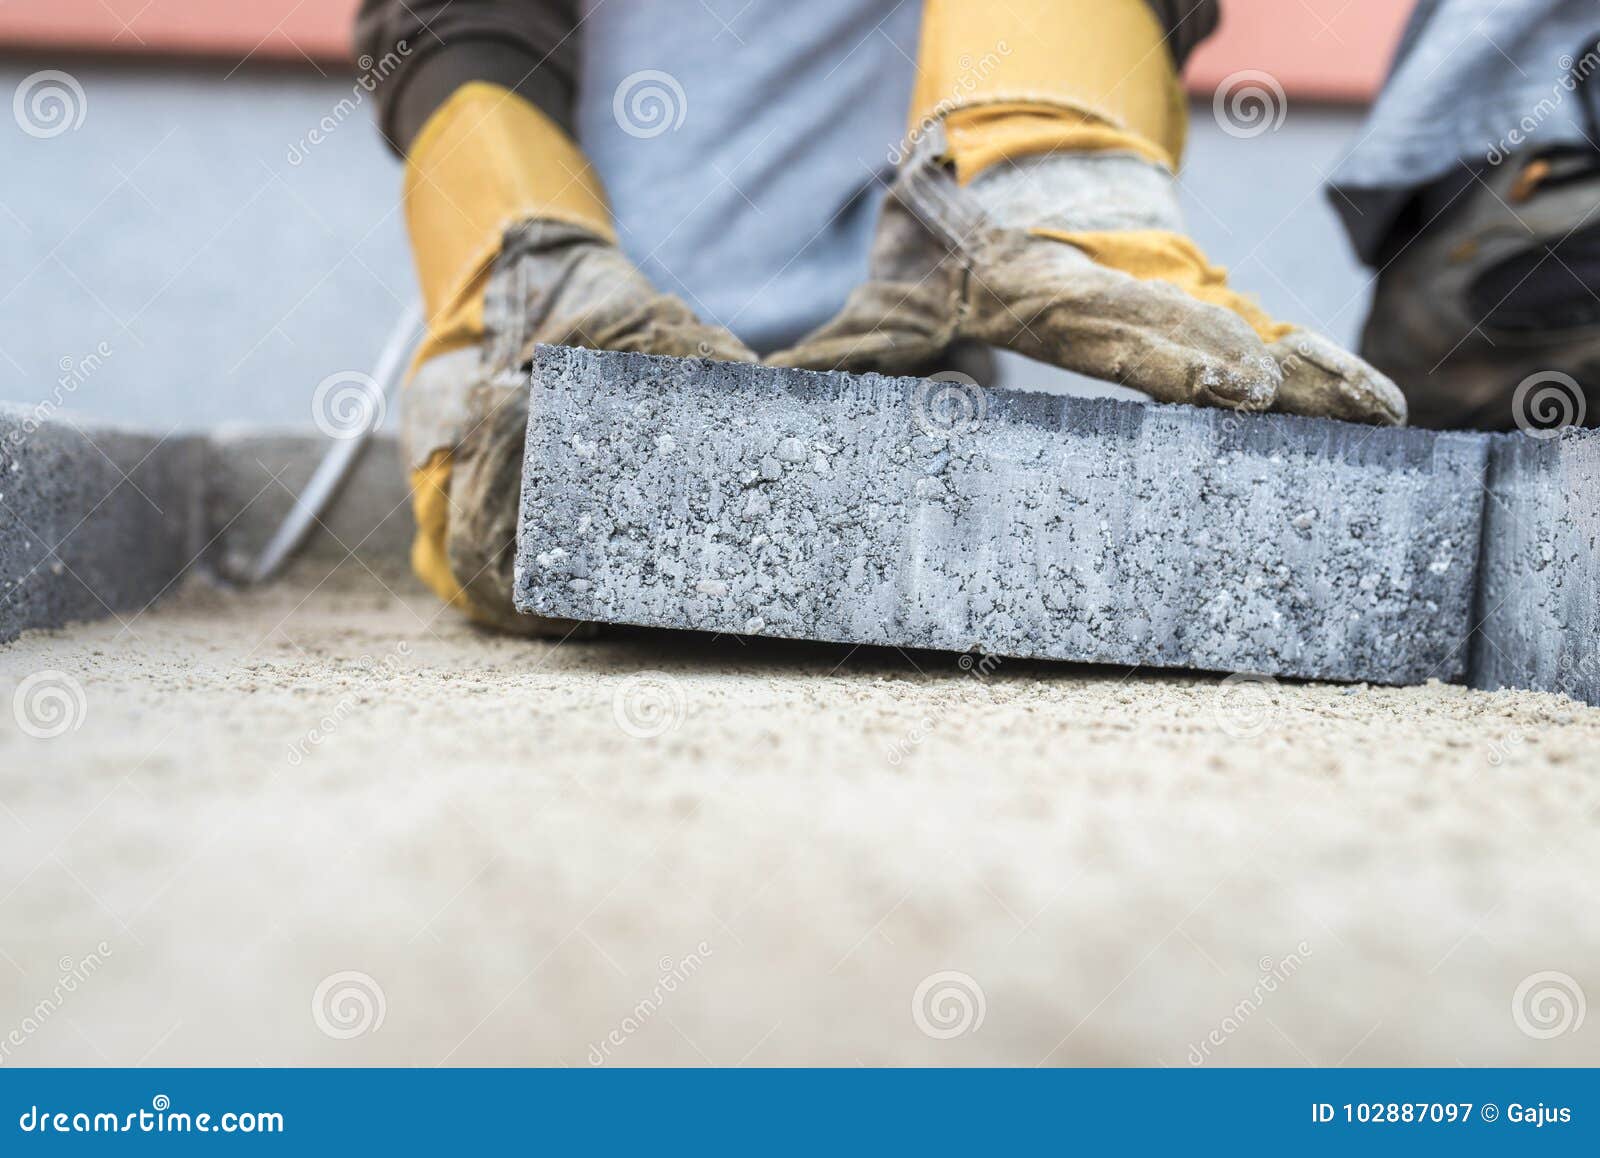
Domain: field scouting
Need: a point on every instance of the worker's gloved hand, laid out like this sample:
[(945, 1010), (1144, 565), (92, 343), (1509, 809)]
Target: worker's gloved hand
[(551, 283), (1079, 260), (1037, 211), (514, 247)]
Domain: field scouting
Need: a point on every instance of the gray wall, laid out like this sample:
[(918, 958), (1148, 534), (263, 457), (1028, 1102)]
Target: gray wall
[(172, 260), (226, 281)]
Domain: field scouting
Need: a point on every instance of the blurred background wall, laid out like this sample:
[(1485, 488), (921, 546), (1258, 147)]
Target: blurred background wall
[(184, 256)]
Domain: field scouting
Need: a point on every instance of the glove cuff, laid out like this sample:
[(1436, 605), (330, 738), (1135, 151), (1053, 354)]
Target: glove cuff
[(1040, 76), (981, 137), (486, 160)]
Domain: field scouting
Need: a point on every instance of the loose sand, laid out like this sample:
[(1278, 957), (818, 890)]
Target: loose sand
[(281, 813)]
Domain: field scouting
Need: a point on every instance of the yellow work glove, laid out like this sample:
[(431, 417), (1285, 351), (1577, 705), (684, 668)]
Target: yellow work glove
[(1036, 210), (513, 245)]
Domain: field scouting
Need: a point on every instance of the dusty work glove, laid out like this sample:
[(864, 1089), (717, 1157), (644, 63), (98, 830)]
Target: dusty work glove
[(1027, 257), (514, 247), (1050, 226)]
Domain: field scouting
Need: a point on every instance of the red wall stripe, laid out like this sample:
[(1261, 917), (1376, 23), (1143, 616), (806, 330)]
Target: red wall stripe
[(1310, 49)]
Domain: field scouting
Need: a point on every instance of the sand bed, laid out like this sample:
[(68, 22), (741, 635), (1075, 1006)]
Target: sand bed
[(329, 824)]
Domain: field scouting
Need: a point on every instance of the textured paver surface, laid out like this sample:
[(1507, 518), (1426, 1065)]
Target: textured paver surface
[(1540, 583), (97, 521), (93, 521), (864, 509), (1002, 524)]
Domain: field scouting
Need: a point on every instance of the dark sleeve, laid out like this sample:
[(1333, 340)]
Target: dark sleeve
[(1186, 23), (417, 52)]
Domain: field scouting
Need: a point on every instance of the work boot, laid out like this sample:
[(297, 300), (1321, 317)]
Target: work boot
[(1489, 319)]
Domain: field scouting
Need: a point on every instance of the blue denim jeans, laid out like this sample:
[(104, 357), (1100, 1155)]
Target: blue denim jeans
[(1474, 82)]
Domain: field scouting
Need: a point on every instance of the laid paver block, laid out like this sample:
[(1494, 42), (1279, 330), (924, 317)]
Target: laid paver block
[(864, 509), (96, 520), (1540, 583), (93, 520)]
